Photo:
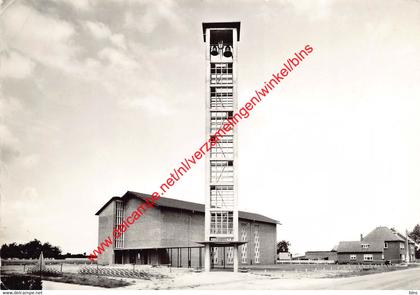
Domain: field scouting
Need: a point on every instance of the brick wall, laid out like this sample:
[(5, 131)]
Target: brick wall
[(267, 242), (181, 228), (393, 251), (106, 225), (146, 231), (345, 258)]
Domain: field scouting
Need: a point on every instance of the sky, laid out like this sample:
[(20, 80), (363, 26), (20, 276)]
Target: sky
[(101, 97)]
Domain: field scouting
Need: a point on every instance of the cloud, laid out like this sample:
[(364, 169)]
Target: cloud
[(98, 30), (118, 59), (30, 160), (9, 146), (42, 38), (8, 106), (314, 10), (101, 31), (119, 41), (30, 193), (15, 65), (154, 13), (81, 5), (152, 105)]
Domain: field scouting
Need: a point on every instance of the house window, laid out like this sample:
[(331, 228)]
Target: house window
[(353, 257), (368, 257), (402, 256), (365, 246), (386, 245), (383, 256), (402, 247)]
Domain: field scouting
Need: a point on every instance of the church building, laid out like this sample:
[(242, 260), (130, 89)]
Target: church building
[(170, 234)]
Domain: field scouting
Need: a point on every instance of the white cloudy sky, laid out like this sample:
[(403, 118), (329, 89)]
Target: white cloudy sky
[(101, 97)]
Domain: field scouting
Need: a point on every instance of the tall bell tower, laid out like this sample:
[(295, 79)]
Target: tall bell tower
[(221, 189)]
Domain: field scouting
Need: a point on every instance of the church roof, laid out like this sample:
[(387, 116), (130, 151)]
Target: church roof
[(185, 205)]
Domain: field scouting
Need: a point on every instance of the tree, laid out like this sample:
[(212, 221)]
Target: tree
[(283, 246), (50, 251), (31, 249), (11, 250), (415, 236)]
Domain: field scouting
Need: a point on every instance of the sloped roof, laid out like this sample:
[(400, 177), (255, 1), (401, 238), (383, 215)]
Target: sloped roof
[(190, 206), (356, 247), (410, 240), (382, 234)]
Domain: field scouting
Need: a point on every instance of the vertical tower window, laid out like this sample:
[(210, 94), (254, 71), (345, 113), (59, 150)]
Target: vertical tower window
[(221, 196), (223, 148), (221, 223), (221, 172), (221, 97), (119, 216), (218, 119), (244, 247), (221, 73), (257, 243), (229, 259)]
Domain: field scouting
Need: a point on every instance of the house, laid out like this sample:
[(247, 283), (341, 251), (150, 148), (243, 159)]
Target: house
[(380, 245), (170, 233), (321, 255), (284, 256)]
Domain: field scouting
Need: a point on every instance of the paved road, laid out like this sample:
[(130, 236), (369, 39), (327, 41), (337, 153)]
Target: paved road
[(408, 279)]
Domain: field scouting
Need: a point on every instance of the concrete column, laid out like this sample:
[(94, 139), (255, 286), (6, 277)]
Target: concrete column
[(235, 259), (207, 258)]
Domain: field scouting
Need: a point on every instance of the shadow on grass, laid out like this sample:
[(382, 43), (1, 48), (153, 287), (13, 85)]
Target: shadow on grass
[(88, 280), (33, 281)]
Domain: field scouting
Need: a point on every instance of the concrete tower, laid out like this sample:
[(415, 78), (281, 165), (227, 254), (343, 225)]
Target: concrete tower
[(221, 191)]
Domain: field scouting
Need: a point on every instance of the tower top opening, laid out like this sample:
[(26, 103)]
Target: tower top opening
[(221, 25)]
